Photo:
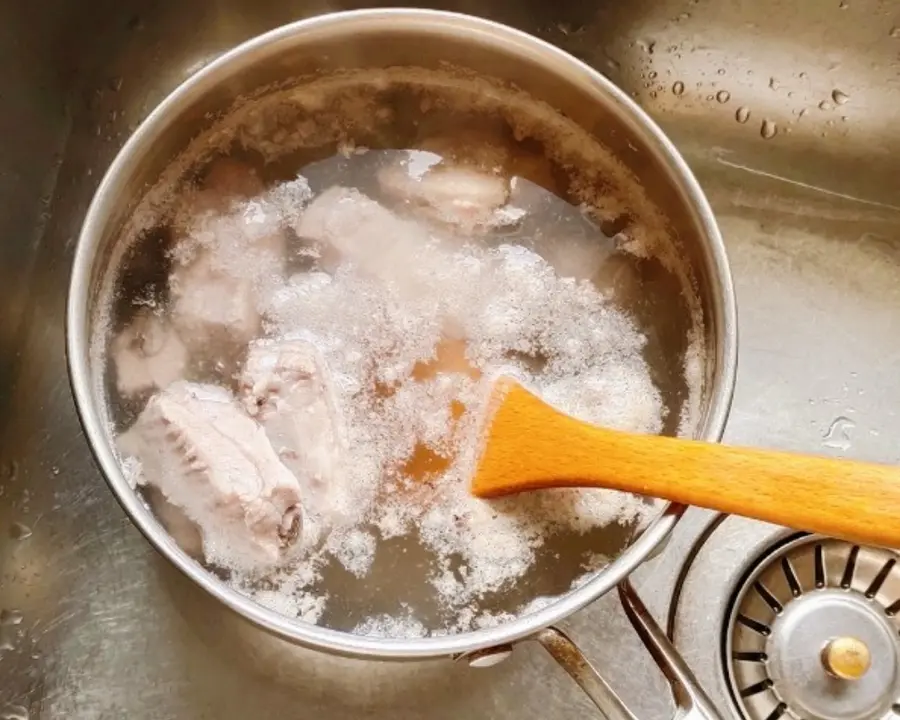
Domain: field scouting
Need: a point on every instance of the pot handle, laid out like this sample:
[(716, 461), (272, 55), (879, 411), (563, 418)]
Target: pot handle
[(690, 700)]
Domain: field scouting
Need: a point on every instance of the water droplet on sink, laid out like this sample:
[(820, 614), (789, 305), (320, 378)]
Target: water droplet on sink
[(10, 617), (895, 32), (14, 712), (723, 96), (648, 46), (19, 531), (768, 129), (54, 470), (11, 470), (678, 88), (838, 435), (6, 642), (825, 105), (652, 75), (742, 114), (720, 71), (840, 98), (115, 84), (773, 83)]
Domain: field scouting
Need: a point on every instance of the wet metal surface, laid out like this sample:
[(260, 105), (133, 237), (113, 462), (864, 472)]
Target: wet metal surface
[(99, 627)]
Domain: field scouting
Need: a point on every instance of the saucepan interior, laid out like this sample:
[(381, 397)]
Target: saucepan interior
[(393, 81)]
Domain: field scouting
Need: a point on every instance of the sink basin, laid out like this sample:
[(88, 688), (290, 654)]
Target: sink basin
[(788, 112)]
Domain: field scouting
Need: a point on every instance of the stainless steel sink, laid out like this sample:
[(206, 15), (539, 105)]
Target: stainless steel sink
[(789, 112)]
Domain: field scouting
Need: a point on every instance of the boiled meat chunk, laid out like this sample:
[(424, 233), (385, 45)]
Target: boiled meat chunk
[(148, 355), (457, 195), (213, 306), (286, 387), (201, 451), (232, 253), (572, 242), (365, 233)]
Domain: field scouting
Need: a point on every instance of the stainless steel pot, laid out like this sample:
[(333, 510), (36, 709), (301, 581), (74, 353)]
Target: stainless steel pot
[(378, 39)]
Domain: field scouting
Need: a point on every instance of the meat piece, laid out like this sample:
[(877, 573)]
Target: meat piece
[(211, 307), (367, 234), (201, 451), (224, 267), (286, 387), (148, 355), (457, 195), (564, 234)]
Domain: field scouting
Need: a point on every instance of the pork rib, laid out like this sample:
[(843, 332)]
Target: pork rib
[(286, 387), (198, 447)]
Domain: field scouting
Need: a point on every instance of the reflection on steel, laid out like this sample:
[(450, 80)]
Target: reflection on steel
[(567, 654), (690, 700)]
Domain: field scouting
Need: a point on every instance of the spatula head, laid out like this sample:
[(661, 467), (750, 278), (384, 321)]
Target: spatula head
[(525, 444)]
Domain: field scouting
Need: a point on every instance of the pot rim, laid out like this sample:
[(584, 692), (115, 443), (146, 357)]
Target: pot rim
[(78, 340)]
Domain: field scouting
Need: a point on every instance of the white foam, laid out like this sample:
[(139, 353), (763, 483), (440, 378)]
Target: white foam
[(397, 290), (411, 325), (353, 548), (374, 329), (389, 626)]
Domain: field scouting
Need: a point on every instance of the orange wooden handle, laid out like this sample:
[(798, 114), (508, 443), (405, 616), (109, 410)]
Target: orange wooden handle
[(851, 500)]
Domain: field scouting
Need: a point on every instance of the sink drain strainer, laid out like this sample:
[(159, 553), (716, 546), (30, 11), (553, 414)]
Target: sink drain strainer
[(814, 633)]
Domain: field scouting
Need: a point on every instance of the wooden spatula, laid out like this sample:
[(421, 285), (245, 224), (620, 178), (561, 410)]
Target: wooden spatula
[(528, 445)]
